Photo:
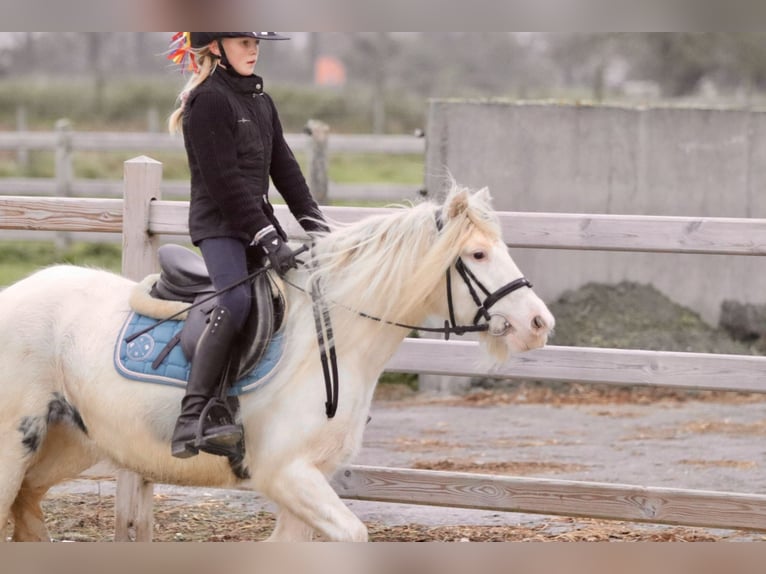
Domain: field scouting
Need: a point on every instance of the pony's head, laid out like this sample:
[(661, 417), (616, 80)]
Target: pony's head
[(485, 285), (395, 267)]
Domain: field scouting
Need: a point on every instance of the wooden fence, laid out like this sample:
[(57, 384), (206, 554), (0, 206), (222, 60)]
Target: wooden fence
[(142, 216), (316, 142)]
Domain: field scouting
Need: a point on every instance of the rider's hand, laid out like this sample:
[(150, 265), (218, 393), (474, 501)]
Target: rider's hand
[(279, 254)]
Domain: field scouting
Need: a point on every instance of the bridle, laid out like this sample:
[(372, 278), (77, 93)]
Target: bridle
[(499, 329), (501, 325), (495, 324)]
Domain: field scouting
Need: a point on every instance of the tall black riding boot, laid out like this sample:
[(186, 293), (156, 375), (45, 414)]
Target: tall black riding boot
[(209, 366)]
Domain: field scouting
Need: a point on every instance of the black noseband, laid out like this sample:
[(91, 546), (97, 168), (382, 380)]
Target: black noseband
[(490, 298), (470, 279)]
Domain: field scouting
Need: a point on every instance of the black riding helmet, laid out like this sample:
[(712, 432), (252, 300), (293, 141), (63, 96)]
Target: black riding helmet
[(202, 39)]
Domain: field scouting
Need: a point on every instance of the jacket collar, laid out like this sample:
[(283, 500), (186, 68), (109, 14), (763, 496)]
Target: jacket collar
[(239, 84)]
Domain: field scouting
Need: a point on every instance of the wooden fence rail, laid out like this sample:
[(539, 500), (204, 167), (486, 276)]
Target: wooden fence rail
[(149, 216), (556, 497), (39, 186), (632, 233), (64, 143), (140, 141)]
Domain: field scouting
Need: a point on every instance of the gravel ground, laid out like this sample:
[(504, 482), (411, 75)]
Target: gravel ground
[(710, 442)]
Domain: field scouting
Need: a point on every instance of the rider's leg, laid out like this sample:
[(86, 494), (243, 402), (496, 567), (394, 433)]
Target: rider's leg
[(226, 262)]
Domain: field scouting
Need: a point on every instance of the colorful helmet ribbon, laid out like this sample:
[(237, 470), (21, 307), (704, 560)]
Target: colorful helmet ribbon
[(181, 52)]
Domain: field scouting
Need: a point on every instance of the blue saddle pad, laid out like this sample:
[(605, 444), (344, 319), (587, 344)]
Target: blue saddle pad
[(134, 360)]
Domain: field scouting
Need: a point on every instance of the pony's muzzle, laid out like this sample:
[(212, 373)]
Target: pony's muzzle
[(538, 323), (541, 325), (500, 326)]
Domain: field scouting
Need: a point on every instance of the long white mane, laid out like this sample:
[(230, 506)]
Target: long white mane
[(388, 265)]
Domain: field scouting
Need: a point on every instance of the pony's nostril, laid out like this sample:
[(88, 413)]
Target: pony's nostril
[(538, 323)]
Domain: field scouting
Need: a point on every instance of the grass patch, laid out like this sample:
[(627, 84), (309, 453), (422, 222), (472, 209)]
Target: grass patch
[(365, 168), (408, 380), (19, 259), (103, 255), (343, 168), (100, 165), (12, 272)]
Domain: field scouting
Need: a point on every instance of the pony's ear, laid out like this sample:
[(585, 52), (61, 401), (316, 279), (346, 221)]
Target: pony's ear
[(457, 204), (484, 195)]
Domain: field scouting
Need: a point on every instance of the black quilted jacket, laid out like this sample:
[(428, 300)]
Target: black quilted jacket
[(234, 142)]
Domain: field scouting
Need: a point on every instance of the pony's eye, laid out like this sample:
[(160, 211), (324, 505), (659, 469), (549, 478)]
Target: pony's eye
[(479, 255)]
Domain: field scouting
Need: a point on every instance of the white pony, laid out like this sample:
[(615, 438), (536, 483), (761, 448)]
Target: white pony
[(63, 406)]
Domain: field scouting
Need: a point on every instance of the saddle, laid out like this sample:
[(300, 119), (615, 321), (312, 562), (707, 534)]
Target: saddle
[(184, 277)]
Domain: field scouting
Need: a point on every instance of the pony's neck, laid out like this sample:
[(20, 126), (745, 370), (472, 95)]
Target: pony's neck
[(374, 341), (363, 345), (386, 266), (391, 267)]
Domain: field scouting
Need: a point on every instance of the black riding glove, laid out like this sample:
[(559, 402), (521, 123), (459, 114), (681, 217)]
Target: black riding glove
[(279, 254)]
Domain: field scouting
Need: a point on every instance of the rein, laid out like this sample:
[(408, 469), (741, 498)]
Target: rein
[(451, 325), (212, 296), (326, 345), (196, 304), (324, 331)]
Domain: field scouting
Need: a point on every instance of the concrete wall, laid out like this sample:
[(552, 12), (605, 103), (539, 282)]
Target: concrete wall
[(587, 159), (591, 159)]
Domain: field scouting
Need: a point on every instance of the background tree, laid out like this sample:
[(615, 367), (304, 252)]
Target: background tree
[(676, 61), (746, 57)]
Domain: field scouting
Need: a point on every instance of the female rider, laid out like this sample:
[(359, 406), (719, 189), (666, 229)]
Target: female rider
[(234, 143)]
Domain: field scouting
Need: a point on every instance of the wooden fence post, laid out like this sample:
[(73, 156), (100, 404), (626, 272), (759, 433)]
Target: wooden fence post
[(143, 175), (318, 179), (64, 173)]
